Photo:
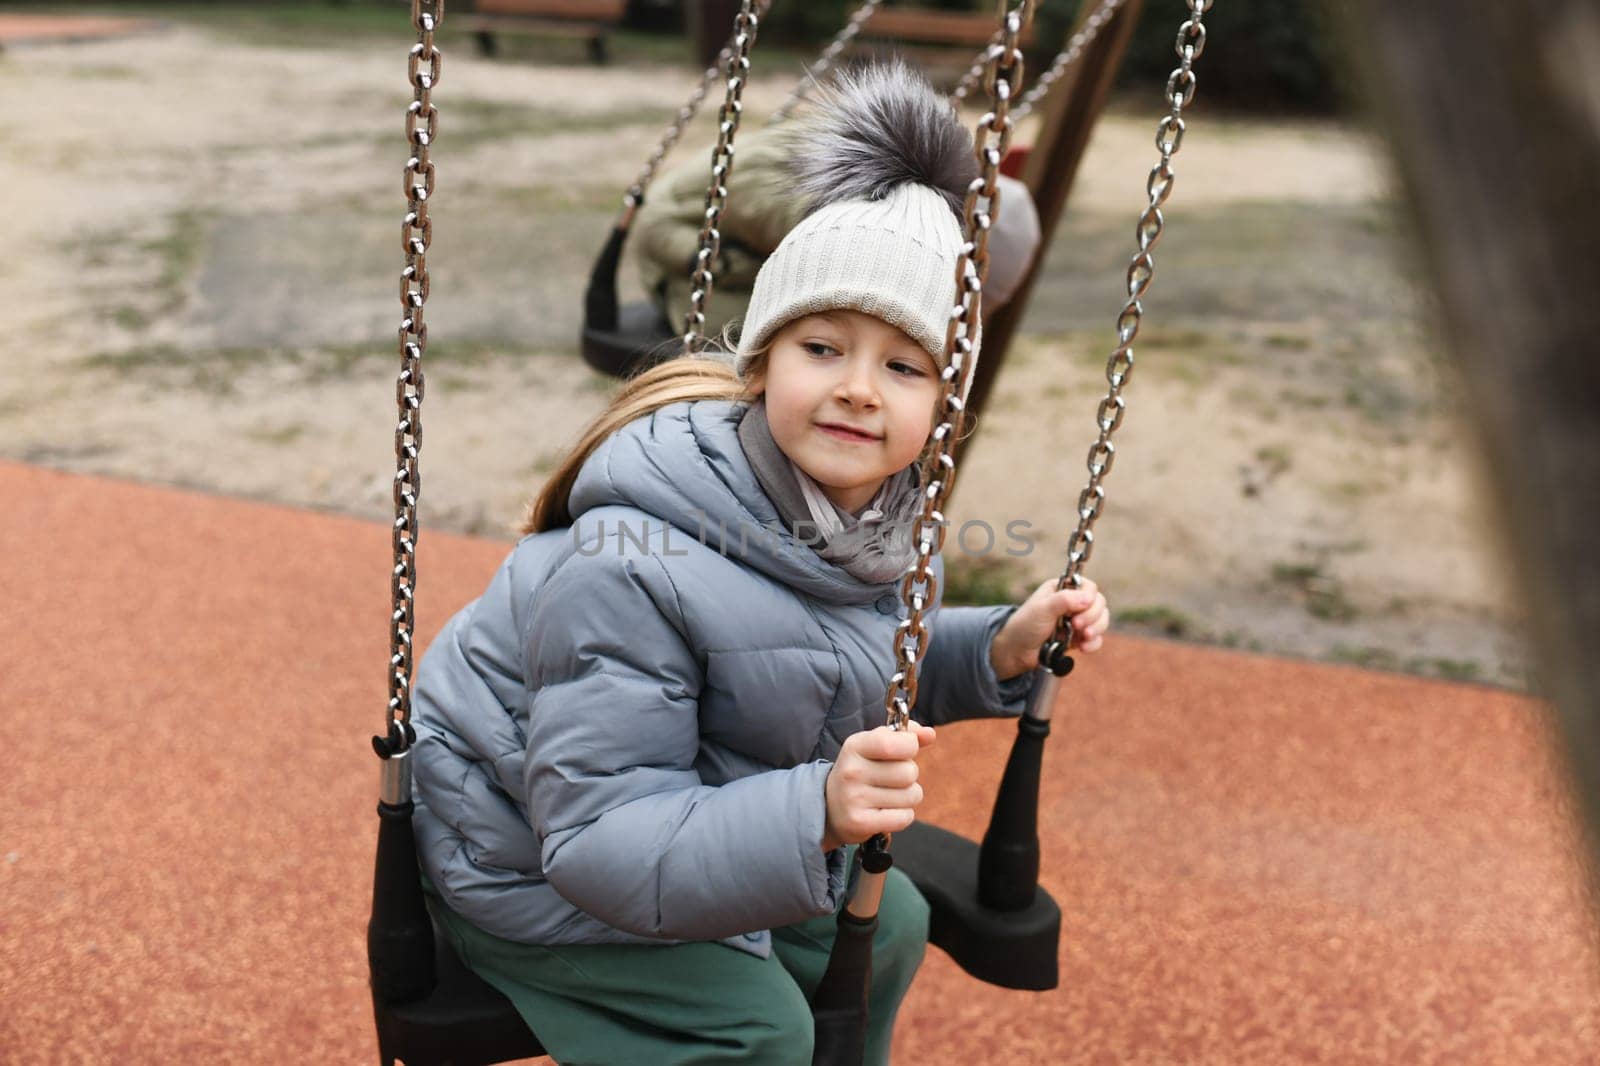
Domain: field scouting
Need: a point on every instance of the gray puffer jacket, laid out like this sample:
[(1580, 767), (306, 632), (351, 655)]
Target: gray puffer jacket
[(625, 739)]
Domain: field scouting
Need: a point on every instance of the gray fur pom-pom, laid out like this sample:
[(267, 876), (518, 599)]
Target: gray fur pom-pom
[(877, 126)]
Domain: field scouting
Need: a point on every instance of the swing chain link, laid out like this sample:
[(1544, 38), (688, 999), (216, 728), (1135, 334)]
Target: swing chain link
[(1058, 66), (416, 232), (744, 35), (825, 62), (917, 589), (1180, 88), (1067, 57), (691, 107)]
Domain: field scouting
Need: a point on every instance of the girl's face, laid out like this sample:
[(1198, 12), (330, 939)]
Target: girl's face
[(850, 400)]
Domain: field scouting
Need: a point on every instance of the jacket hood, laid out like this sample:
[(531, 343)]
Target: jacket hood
[(684, 464)]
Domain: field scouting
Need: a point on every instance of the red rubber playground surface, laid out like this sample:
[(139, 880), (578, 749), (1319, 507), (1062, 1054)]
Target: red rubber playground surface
[(1259, 861)]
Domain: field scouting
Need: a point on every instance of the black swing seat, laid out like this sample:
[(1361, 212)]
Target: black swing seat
[(620, 341), (457, 1019), (637, 338), (464, 1021), (1011, 949)]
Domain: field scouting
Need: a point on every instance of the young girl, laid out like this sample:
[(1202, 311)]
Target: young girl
[(643, 751)]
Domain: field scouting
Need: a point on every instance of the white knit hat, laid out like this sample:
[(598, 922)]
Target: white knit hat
[(885, 162), (894, 259)]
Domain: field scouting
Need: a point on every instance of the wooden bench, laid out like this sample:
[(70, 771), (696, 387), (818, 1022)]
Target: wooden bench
[(587, 19), (928, 26)]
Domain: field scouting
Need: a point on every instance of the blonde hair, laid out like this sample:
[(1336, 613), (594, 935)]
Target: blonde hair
[(674, 381)]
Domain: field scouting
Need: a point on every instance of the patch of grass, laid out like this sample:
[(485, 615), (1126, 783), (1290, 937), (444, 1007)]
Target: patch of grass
[(1308, 401), (177, 253), (1382, 402), (341, 361), (212, 371), (105, 72), (972, 580), (1326, 600), (1168, 621), (1295, 573), (1448, 669), (1353, 490), (472, 121), (457, 383), (170, 356), (1275, 458), (1186, 354), (1366, 656), (291, 24), (549, 199), (1175, 337), (1245, 396), (277, 436), (216, 370), (1323, 595), (1288, 341), (129, 318)]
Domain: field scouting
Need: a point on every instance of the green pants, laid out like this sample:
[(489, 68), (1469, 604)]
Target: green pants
[(683, 1004)]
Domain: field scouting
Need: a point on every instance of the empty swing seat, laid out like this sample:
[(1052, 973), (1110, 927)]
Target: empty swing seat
[(635, 339), (621, 340)]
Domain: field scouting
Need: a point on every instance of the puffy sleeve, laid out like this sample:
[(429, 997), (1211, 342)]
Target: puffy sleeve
[(957, 680), (627, 830)]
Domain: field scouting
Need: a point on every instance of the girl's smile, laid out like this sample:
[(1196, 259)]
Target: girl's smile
[(847, 433), (849, 400)]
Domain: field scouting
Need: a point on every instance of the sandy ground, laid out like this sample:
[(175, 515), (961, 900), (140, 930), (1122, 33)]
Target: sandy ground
[(203, 272)]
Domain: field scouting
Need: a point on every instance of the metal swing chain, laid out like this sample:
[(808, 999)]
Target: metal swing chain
[(1059, 66), (1004, 74), (1068, 56), (815, 72), (744, 35), (1191, 41), (669, 140), (422, 123)]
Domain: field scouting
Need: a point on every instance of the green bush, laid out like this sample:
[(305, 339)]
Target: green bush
[(1261, 55)]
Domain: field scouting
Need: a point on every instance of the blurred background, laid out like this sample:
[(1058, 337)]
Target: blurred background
[(205, 262)]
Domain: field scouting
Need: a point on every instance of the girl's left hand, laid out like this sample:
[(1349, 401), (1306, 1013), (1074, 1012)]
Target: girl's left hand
[(1016, 647)]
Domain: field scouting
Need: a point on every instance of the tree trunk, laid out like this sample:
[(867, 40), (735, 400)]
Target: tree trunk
[(1493, 110)]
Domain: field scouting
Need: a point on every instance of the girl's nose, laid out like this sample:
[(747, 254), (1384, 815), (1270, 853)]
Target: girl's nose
[(857, 388)]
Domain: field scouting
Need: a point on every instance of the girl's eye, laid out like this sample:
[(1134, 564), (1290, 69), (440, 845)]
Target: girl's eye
[(907, 369), (818, 348)]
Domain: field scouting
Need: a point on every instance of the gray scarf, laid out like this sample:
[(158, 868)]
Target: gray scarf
[(875, 548)]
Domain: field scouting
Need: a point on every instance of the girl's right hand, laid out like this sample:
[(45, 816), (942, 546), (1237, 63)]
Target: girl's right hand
[(872, 787)]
